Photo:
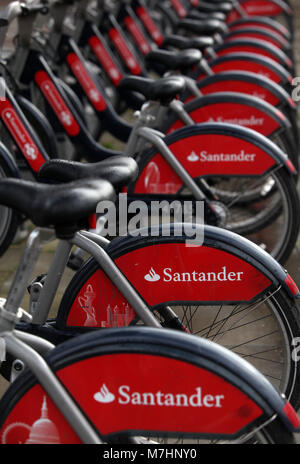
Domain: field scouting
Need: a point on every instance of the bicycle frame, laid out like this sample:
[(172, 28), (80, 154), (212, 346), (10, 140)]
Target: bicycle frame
[(130, 22), (30, 68), (37, 71), (111, 28), (152, 29), (13, 119)]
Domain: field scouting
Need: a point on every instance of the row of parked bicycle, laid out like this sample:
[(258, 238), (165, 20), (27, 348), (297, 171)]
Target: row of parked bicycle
[(154, 341)]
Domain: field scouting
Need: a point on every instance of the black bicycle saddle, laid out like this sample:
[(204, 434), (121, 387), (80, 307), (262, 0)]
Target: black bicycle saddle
[(183, 43), (211, 7), (163, 90), (195, 14), (206, 27), (118, 170), (60, 205), (183, 61)]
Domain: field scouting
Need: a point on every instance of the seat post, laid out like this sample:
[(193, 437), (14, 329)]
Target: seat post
[(24, 271), (54, 275)]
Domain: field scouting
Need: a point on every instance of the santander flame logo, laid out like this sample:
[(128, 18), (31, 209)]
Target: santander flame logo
[(193, 157), (104, 395), (152, 276)]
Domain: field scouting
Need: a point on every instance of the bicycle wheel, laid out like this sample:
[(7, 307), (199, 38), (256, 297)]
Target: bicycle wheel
[(250, 200), (140, 395), (268, 23), (242, 110), (251, 84), (254, 63), (256, 46), (261, 329)]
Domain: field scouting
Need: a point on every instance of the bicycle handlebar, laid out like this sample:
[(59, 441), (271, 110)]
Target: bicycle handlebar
[(40, 8), (17, 9)]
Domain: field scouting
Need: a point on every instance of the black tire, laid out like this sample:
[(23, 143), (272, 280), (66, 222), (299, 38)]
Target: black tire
[(289, 145), (264, 21)]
